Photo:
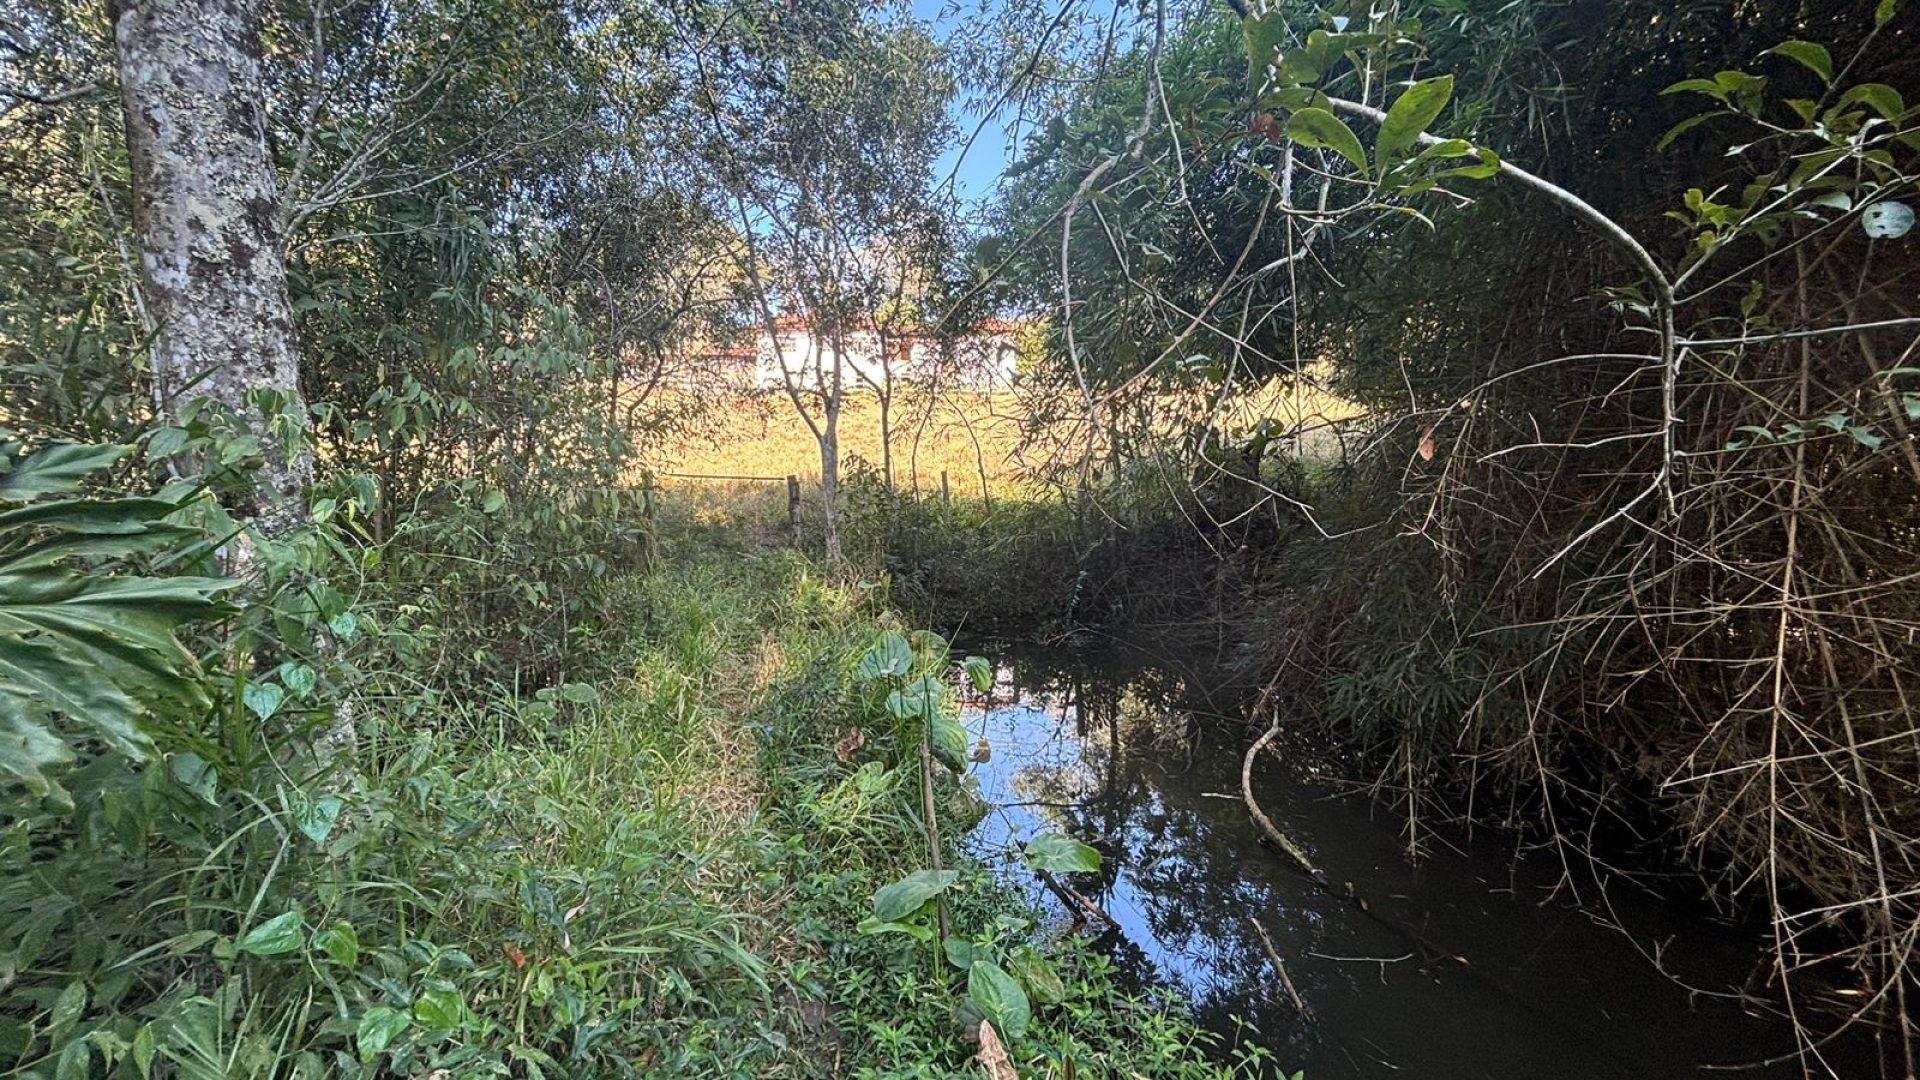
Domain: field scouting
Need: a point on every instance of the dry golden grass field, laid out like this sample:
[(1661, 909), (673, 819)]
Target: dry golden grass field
[(964, 434), (972, 436)]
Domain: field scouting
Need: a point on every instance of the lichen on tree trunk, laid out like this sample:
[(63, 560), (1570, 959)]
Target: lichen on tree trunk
[(208, 222)]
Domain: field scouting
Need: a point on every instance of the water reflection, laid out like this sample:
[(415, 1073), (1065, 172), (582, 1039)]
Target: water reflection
[(1461, 966)]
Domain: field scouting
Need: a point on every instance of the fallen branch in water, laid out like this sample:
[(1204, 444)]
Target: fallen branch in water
[(1084, 909), (1280, 839), (1280, 966)]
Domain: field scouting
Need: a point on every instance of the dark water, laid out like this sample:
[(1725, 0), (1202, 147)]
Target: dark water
[(1467, 964)]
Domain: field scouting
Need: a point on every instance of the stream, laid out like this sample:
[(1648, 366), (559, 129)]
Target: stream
[(1464, 964)]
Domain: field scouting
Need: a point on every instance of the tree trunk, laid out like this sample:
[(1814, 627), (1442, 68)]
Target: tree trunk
[(207, 220)]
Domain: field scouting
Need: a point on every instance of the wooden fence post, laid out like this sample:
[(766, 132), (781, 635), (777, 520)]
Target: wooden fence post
[(793, 507)]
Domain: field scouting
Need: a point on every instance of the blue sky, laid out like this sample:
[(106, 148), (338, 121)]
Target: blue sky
[(988, 157)]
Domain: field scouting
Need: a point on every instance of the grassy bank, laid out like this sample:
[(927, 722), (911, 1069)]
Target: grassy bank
[(659, 869)]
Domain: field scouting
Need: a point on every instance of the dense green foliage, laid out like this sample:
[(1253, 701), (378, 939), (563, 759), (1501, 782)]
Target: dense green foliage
[(1627, 520)]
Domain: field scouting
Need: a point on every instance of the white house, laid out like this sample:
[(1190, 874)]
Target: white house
[(985, 359)]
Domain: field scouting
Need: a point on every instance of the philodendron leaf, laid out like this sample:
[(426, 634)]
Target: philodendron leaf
[(891, 656), (918, 700), (979, 672), (280, 934), (1061, 854), (299, 678), (1000, 997), (1322, 130), (1409, 116), (897, 901), (948, 741)]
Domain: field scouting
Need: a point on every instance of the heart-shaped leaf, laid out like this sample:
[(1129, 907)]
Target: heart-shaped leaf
[(280, 934), (263, 698), (891, 656), (298, 677), (316, 817), (377, 1030)]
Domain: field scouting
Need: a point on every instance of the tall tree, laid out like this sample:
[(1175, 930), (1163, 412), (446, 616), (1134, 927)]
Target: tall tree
[(208, 227), (822, 125)]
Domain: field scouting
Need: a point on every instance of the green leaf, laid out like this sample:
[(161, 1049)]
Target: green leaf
[(1322, 130), (377, 1030), (263, 698), (1884, 13), (315, 818), (1683, 127), (299, 678), (890, 657), (872, 925), (1263, 35), (1698, 86), (143, 1051), (439, 1010), (1060, 853), (1879, 97), (1042, 983), (895, 902), (280, 934), (961, 953), (88, 644), (1867, 437), (1409, 116), (1325, 131), (343, 625), (1000, 997), (494, 501), (29, 753), (580, 693), (341, 944), (947, 739), (979, 672), (1809, 55), (59, 469), (192, 772), (918, 700)]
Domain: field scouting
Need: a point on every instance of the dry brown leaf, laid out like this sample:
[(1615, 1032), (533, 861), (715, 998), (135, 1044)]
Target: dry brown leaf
[(993, 1056), (850, 744), (1426, 445)]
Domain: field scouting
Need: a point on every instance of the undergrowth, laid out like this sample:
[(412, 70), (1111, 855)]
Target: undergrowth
[(657, 869)]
